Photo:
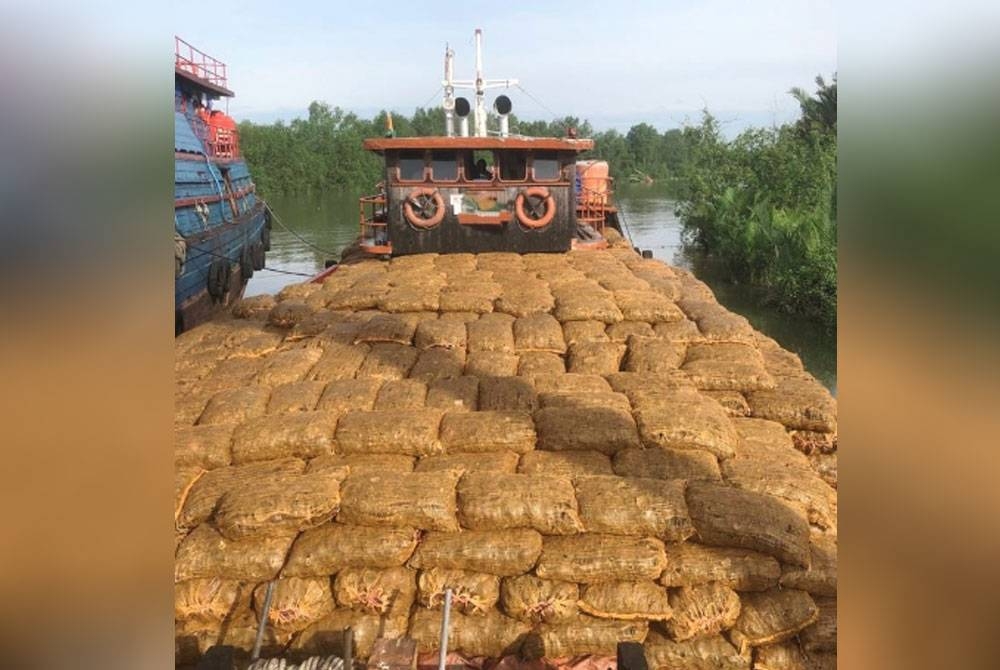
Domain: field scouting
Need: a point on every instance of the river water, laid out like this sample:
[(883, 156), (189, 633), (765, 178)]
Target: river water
[(311, 229)]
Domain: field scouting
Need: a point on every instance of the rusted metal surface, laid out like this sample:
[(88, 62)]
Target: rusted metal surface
[(544, 143)]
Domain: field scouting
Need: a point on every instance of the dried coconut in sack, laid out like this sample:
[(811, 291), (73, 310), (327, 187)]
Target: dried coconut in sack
[(204, 494), (507, 394), (339, 361), (522, 302), (585, 635), (388, 361), (493, 461), (412, 432), (533, 363), (472, 592), (680, 332), (491, 332), (666, 463), (820, 578), (458, 394), (492, 634), (491, 364), (728, 517), (703, 609), (595, 358), (236, 405), (594, 557), (626, 600), (707, 653), (487, 431), (414, 500), (686, 421), (649, 306), (689, 564), (734, 402), (296, 602), (500, 552), (206, 446), (437, 333), (822, 635), (462, 299), (295, 397), (597, 399), (772, 616), (621, 332), (406, 299), (401, 394), (492, 501), (801, 404), (287, 366), (332, 547), (437, 363), (280, 506), (389, 592), (255, 307), (652, 355), (587, 306), (565, 463), (299, 434), (634, 506), (537, 600), (604, 429), (578, 332), (206, 553), (726, 367), (539, 332), (362, 463), (209, 599), (349, 394)]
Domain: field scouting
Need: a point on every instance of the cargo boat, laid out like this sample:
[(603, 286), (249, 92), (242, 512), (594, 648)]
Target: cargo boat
[(591, 453), (221, 228)]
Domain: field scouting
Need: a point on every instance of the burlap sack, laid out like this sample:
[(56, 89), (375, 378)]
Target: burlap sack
[(585, 428), (387, 592), (703, 609), (595, 358), (585, 635), (652, 355), (638, 506), (565, 463), (523, 302), (570, 383), (456, 394), (410, 299), (537, 600), (821, 636), (578, 332), (472, 592), (209, 599), (492, 461), (689, 564), (507, 393), (339, 361), (531, 363), (326, 636), (296, 602), (502, 552), (820, 578), (397, 328), (626, 600), (362, 464), (206, 553), (686, 422), (295, 397), (539, 332), (494, 501), (299, 434), (424, 500), (666, 463), (287, 366), (491, 364), (728, 517), (593, 557), (706, 653), (772, 616), (345, 395), (649, 306), (802, 404), (401, 394), (491, 634), (388, 360), (487, 431), (326, 550), (621, 332), (492, 332), (410, 432), (437, 363), (587, 306), (207, 447), (236, 405), (437, 333)]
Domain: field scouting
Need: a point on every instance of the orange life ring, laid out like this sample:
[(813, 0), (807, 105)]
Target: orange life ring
[(424, 207), (528, 212)]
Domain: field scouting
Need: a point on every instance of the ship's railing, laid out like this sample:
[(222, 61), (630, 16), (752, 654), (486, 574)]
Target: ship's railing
[(374, 222), (218, 142), (198, 63), (592, 205)]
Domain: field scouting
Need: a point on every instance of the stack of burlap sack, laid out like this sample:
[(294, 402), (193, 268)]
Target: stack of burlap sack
[(586, 448)]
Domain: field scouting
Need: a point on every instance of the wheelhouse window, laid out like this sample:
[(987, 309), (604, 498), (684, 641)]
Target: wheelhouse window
[(478, 165), (513, 165), (444, 166), (545, 166), (411, 165)]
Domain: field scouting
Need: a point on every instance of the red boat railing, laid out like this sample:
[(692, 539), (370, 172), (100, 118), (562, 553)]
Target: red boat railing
[(198, 63)]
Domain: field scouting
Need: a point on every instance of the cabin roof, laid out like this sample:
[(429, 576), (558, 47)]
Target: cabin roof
[(381, 144), (203, 84)]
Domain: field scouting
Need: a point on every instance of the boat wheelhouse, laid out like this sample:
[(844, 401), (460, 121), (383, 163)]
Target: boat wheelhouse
[(221, 229), (485, 191)]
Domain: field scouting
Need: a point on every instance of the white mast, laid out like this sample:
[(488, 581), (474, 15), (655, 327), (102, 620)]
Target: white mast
[(449, 91), (479, 85)]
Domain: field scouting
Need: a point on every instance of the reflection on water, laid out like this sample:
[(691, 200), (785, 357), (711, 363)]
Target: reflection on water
[(320, 226)]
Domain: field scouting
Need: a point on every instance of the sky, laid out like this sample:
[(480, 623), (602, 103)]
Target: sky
[(614, 64)]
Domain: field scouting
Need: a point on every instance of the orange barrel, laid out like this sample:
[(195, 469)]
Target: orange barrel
[(594, 180)]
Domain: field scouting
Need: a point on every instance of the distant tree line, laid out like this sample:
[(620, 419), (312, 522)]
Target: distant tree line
[(763, 204)]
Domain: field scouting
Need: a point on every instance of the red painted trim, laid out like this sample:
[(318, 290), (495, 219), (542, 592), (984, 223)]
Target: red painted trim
[(187, 202), (544, 143), (200, 158)]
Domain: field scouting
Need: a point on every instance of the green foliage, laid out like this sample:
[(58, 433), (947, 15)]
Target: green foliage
[(764, 205)]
